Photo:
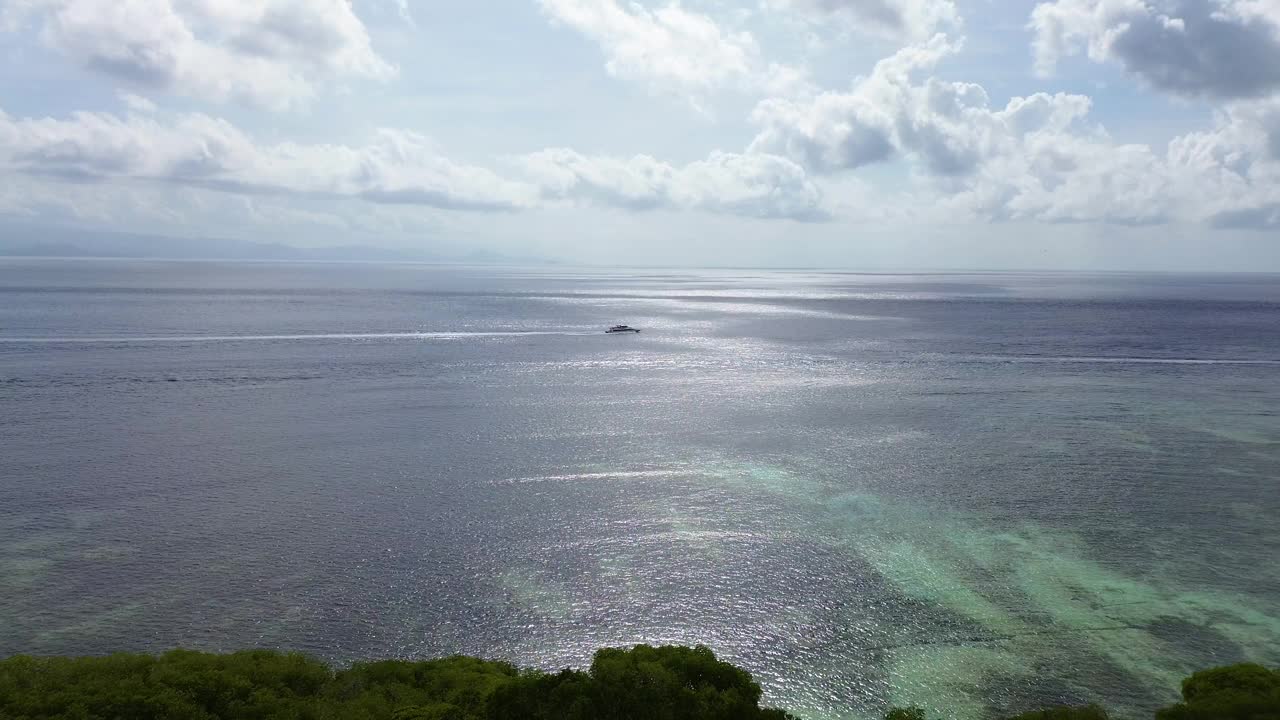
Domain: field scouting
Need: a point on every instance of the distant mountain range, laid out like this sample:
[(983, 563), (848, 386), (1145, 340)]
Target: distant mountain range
[(69, 242)]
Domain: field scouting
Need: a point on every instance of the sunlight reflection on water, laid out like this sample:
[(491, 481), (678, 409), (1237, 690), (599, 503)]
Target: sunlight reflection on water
[(976, 493)]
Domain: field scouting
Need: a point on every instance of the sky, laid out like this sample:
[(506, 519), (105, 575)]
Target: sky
[(876, 134)]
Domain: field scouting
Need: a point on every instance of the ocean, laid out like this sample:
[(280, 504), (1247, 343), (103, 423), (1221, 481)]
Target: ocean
[(978, 493)]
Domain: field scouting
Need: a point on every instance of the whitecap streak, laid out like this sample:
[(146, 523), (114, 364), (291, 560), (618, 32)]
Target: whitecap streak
[(579, 477)]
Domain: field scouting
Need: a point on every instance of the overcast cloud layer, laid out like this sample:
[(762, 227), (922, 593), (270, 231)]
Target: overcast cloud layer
[(840, 123)]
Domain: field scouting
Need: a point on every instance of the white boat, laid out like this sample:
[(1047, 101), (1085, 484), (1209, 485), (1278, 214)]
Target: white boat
[(622, 329)]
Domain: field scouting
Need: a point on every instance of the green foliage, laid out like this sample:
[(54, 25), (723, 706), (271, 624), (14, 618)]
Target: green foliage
[(434, 711), (668, 683), (175, 686), (448, 689), (907, 713), (1235, 692), (641, 683)]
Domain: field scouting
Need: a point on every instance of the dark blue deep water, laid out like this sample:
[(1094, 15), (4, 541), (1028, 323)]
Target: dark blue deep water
[(973, 492)]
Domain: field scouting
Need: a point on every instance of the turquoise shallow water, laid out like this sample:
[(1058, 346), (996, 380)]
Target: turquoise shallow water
[(977, 493)]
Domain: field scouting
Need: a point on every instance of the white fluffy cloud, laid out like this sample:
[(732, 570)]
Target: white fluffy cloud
[(1237, 160), (752, 185), (1041, 157), (845, 130), (202, 151), (1037, 158), (671, 49), (911, 20), (947, 126), (1057, 173), (397, 167), (270, 53), (1198, 48)]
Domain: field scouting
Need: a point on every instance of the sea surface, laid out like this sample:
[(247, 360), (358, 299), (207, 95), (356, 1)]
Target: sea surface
[(977, 493)]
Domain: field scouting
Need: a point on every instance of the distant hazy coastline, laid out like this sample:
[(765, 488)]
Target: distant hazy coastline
[(57, 242)]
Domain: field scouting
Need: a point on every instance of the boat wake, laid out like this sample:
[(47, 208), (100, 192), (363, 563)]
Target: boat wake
[(114, 340), (1117, 360)]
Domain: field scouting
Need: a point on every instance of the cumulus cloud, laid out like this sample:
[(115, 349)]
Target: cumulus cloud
[(272, 53), (137, 103), (1234, 165), (1227, 175), (1065, 177), (671, 49), (1194, 48), (752, 185), (884, 114), (202, 151), (911, 20), (396, 167), (1039, 157)]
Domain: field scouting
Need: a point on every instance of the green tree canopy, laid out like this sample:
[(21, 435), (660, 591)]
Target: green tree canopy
[(640, 683), (667, 683), (1235, 692)]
